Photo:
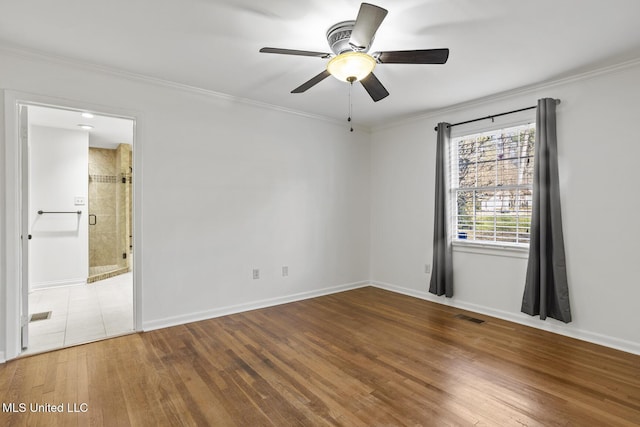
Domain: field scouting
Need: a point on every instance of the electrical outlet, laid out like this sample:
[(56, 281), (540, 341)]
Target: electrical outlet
[(256, 273), (427, 268), (285, 271)]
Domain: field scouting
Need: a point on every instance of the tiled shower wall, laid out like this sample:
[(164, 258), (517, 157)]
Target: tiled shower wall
[(125, 203), (110, 202)]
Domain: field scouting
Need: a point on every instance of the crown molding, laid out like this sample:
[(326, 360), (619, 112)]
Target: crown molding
[(523, 90), (31, 54)]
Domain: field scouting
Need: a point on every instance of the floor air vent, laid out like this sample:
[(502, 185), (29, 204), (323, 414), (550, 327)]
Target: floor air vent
[(469, 318), (40, 316)]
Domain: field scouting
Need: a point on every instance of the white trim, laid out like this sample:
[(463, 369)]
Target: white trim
[(507, 95), (549, 325), (255, 305), (11, 226), (57, 284), (45, 56), (12, 206), (492, 249), (39, 55), (623, 345)]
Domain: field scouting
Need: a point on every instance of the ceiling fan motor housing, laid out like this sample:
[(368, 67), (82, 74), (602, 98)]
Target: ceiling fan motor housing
[(338, 37)]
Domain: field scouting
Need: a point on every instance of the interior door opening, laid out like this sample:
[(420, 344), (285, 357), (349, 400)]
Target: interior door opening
[(77, 204)]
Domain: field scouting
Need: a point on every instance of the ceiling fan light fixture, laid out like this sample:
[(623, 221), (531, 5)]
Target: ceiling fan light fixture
[(348, 65)]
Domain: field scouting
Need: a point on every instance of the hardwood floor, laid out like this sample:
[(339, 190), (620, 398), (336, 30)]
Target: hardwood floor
[(365, 357)]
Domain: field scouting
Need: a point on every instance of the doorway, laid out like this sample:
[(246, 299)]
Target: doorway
[(77, 204)]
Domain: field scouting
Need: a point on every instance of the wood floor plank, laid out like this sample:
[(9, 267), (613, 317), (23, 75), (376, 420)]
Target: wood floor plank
[(365, 357)]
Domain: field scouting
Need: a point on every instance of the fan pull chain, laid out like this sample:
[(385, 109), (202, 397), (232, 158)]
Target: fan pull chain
[(350, 80)]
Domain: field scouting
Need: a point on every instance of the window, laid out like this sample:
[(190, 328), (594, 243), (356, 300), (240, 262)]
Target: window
[(491, 186)]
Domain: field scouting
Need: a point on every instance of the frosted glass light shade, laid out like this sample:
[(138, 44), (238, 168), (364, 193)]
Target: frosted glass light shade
[(351, 64)]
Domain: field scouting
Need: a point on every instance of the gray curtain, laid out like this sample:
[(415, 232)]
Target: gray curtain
[(546, 291), (442, 273)]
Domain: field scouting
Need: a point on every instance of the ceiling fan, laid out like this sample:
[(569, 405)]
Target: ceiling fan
[(350, 42)]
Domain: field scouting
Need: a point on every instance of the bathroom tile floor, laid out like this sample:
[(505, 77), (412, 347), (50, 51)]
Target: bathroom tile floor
[(81, 314)]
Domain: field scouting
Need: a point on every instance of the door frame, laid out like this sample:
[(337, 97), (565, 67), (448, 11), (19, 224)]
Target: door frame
[(13, 207)]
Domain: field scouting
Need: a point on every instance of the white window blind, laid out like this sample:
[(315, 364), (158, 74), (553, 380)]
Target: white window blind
[(491, 185)]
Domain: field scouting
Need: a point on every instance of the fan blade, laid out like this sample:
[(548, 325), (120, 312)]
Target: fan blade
[(423, 56), (369, 19), (314, 81), (374, 87), (295, 52)]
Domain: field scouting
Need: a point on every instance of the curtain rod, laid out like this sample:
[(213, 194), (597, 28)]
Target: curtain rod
[(493, 116)]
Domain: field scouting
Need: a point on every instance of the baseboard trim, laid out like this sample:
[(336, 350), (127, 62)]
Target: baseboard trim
[(254, 305), (58, 284), (520, 318), (2, 357)]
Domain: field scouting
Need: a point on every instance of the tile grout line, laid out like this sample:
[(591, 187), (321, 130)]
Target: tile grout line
[(109, 296), (101, 304), (66, 320)]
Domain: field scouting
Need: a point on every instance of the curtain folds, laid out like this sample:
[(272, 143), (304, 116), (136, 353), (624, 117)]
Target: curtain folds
[(442, 273), (546, 291)]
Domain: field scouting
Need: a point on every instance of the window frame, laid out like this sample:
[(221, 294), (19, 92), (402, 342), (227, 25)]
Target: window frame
[(486, 247)]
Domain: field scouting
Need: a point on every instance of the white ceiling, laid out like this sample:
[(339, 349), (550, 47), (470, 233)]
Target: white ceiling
[(496, 45), (107, 132)]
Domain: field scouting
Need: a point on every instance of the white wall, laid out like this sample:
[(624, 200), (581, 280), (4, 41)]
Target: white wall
[(223, 187), (598, 151), (58, 252)]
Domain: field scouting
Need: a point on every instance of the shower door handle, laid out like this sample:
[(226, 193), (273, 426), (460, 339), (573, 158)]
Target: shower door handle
[(95, 219)]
